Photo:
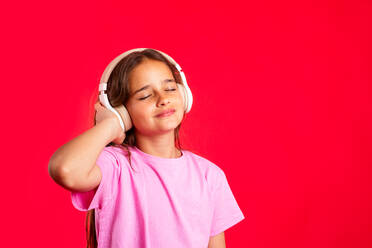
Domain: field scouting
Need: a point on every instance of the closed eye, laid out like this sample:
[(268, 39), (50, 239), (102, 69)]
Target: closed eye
[(143, 98)]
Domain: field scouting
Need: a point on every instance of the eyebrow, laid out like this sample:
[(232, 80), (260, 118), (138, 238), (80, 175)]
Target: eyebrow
[(146, 86)]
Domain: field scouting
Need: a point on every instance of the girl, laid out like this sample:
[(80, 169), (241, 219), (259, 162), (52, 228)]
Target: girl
[(140, 188)]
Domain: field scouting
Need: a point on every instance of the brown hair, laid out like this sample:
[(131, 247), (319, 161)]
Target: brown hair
[(118, 93)]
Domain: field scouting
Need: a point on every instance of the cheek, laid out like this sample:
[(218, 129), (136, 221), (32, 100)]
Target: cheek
[(142, 111), (137, 110), (178, 99), (180, 110)]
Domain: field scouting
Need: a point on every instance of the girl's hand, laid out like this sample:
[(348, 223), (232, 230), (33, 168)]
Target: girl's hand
[(104, 114)]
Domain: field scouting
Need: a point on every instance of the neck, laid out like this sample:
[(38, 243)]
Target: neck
[(160, 145)]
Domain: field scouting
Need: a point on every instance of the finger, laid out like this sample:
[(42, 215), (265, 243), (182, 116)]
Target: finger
[(98, 105)]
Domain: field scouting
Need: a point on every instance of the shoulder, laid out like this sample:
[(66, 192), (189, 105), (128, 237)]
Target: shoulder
[(204, 162), (117, 154), (115, 150), (212, 171)]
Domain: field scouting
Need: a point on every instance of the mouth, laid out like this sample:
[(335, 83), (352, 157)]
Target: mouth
[(166, 113)]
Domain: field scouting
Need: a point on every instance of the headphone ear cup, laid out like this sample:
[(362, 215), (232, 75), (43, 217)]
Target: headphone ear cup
[(182, 89), (124, 114)]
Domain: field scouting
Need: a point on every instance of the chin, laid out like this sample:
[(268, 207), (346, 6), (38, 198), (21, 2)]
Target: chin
[(169, 126)]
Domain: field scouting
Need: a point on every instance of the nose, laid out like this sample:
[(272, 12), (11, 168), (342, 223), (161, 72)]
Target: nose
[(162, 100)]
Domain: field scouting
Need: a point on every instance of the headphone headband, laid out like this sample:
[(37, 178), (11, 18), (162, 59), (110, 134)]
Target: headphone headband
[(114, 62)]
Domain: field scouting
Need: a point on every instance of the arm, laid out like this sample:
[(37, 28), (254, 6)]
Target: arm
[(217, 241), (73, 161)]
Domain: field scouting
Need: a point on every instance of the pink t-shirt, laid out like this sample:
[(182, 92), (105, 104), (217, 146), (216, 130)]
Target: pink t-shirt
[(165, 202)]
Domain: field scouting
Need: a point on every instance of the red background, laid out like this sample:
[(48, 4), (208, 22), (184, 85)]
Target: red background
[(282, 103)]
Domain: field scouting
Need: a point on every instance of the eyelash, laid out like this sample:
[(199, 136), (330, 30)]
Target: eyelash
[(143, 98)]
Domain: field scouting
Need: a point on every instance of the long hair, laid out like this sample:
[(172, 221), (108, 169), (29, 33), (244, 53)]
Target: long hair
[(118, 94)]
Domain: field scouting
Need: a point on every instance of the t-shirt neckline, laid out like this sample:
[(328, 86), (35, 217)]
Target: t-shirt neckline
[(159, 160)]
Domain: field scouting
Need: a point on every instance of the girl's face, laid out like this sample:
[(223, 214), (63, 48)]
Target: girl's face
[(153, 89)]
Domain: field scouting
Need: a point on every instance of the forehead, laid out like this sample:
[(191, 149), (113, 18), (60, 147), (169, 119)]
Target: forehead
[(149, 71)]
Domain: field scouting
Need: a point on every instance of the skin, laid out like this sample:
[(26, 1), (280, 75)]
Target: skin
[(155, 135), (217, 241)]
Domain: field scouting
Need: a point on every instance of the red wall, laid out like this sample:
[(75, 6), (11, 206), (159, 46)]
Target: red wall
[(282, 103)]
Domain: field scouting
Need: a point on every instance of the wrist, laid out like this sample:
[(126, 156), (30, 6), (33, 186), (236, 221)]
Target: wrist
[(113, 127)]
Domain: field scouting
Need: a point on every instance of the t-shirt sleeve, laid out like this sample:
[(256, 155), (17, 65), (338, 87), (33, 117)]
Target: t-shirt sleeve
[(100, 196), (226, 210)]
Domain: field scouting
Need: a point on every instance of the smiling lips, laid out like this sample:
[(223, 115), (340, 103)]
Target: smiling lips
[(167, 112)]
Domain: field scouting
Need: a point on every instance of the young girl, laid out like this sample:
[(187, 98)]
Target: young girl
[(140, 187)]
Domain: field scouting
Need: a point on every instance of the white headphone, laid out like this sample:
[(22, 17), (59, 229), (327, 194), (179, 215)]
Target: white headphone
[(184, 89)]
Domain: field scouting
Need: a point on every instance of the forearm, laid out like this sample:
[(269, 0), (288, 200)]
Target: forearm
[(78, 156)]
